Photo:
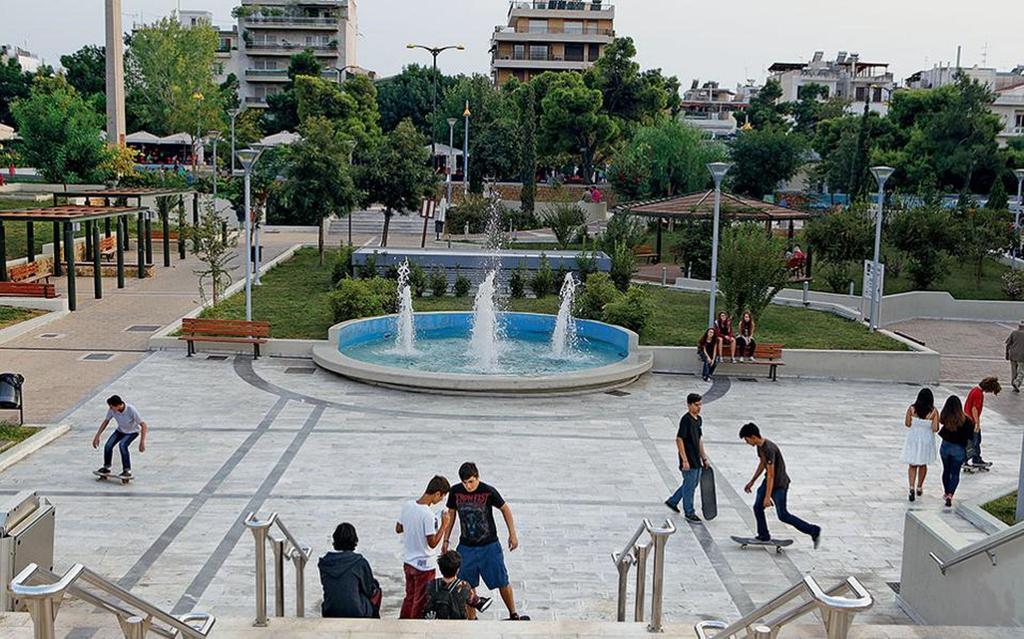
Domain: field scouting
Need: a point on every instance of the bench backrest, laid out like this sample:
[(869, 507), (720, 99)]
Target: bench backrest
[(24, 271), (224, 328), (108, 244), (643, 249), (768, 351), (27, 289)]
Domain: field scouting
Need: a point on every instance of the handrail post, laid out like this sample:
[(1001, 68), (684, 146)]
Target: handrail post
[(299, 558), (134, 627), (641, 550), (43, 613), (259, 530), (622, 563), (660, 537), (277, 545), (837, 622), (762, 632)]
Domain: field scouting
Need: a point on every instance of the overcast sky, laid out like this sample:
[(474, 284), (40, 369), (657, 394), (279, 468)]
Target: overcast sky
[(726, 41)]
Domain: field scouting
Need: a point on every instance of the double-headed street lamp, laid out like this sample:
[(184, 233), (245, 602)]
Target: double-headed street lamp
[(882, 174), (248, 159), (434, 51), (718, 171)]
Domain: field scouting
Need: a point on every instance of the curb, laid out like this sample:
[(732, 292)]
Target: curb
[(22, 450), (19, 329)]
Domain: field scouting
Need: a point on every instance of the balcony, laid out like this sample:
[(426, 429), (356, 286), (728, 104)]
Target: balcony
[(544, 7), (256, 101), (289, 48), (548, 62), (291, 22), (592, 35), (281, 75)]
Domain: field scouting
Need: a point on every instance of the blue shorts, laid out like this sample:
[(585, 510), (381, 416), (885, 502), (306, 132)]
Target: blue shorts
[(483, 561)]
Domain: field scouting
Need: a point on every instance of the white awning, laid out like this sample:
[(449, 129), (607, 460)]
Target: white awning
[(141, 137), (176, 138), (443, 150), (282, 138)]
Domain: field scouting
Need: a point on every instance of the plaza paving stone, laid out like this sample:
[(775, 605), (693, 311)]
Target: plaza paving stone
[(230, 436)]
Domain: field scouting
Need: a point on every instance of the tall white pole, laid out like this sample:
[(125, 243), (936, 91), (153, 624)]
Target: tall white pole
[(873, 317), (115, 74), (248, 252), (465, 153), (714, 252), (234, 114), (1020, 486), (215, 173)]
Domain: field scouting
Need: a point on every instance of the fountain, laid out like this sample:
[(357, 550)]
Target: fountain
[(564, 338), (484, 341), (405, 335)]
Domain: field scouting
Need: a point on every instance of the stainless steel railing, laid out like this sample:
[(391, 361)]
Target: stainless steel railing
[(837, 612), (284, 546), (986, 546), (635, 553), (43, 592)]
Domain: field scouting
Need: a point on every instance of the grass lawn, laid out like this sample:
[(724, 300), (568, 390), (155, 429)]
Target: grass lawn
[(17, 242), (960, 282), (293, 298), (11, 434), (10, 315), (1004, 509)]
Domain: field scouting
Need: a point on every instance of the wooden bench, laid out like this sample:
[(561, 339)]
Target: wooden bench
[(27, 289), (769, 355), (159, 235), (108, 249), (194, 329), (645, 252), (29, 272)]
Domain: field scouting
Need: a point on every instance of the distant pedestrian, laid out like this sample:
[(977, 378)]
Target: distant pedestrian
[(692, 458), (129, 426), (745, 343), (440, 215), (422, 531), (972, 407), (709, 351), (775, 488), (1015, 355), (919, 449), (957, 432)]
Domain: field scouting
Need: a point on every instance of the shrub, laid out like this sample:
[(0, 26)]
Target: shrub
[(354, 299), (623, 266), (1013, 285), (386, 293), (622, 229), (368, 269), (632, 310), (924, 233), (836, 275), (417, 279), (586, 263), (462, 284), (559, 277), (517, 282), (543, 280), (476, 210), (342, 265), (391, 273), (598, 292), (564, 219), (751, 268), (438, 282)]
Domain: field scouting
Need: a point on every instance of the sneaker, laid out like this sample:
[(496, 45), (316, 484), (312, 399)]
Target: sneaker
[(920, 491), (817, 540), (693, 517), (753, 360), (104, 471), (125, 474), (949, 501), (515, 616), (672, 506), (481, 603), (911, 494), (1016, 389)]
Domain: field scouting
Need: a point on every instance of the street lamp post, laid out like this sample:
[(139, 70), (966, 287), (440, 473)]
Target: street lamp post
[(351, 146), (215, 136), (718, 171), (451, 156), (248, 159), (234, 114), (434, 52), (882, 174), (465, 152), (1020, 202)]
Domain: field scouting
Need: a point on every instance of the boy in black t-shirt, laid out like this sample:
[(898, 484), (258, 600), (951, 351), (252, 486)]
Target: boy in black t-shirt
[(692, 458), (472, 501)]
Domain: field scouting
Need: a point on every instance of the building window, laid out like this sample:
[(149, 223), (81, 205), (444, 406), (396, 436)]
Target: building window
[(574, 52), (538, 26), (519, 52), (876, 94), (538, 52), (861, 94), (519, 75), (573, 26), (1018, 126), (594, 53)]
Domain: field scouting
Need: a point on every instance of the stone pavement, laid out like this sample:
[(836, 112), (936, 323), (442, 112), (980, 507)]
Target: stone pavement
[(230, 437)]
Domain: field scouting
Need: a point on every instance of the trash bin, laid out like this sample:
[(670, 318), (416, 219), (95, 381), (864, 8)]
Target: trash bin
[(10, 393)]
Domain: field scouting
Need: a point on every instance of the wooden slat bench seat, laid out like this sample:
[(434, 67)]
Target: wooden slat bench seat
[(194, 329), (769, 355), (29, 272), (645, 252), (27, 289), (159, 235), (108, 249)]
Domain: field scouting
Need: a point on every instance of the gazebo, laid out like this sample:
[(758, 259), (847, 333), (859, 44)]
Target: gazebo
[(701, 206)]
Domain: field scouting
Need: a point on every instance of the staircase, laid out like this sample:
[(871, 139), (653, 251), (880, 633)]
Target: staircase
[(372, 223)]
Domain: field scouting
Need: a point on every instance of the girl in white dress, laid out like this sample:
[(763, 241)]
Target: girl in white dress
[(922, 420)]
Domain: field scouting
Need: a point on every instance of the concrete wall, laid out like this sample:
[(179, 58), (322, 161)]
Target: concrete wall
[(973, 593)]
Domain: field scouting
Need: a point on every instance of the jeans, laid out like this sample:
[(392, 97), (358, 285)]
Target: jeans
[(779, 497), (691, 479), (708, 365), (976, 459), (122, 441), (953, 458), (745, 346), (1016, 373)]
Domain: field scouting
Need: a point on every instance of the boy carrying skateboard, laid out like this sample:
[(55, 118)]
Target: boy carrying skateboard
[(692, 458), (774, 489), (129, 426)]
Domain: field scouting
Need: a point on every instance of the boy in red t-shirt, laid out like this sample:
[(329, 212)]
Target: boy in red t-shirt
[(972, 407)]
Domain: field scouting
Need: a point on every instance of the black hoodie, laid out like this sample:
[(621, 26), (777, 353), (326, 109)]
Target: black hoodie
[(348, 585)]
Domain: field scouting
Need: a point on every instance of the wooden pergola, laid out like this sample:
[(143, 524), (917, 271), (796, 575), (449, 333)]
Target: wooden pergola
[(64, 220), (701, 206)]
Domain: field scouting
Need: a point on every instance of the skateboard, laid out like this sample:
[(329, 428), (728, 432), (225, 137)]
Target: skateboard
[(779, 544), (708, 498), (111, 476), (972, 468)]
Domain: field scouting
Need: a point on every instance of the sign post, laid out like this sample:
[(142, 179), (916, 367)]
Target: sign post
[(867, 295), (427, 213)]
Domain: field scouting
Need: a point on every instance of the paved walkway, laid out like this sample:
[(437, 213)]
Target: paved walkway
[(230, 437)]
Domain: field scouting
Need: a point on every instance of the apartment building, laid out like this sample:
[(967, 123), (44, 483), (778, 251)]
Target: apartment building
[(550, 35), (846, 76), (28, 61), (713, 109)]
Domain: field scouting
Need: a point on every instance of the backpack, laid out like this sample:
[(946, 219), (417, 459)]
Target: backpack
[(444, 601)]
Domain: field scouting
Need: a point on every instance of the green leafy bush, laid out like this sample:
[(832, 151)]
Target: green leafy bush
[(417, 279), (517, 282), (368, 269), (342, 265), (354, 299), (622, 229), (462, 284), (632, 310), (598, 291), (438, 282), (837, 275), (564, 219), (751, 268), (1013, 285), (623, 266), (543, 280), (559, 277), (386, 293), (586, 263)]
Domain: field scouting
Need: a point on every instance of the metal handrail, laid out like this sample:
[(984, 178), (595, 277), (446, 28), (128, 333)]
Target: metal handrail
[(986, 546), (635, 553), (838, 612), (284, 548), (43, 601)]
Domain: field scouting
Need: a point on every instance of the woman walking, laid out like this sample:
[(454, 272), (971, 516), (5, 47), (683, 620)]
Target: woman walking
[(957, 430), (745, 339), (709, 351), (919, 450)]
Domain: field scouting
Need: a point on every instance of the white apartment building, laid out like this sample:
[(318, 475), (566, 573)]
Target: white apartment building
[(28, 61), (1008, 87), (712, 108), (847, 77)]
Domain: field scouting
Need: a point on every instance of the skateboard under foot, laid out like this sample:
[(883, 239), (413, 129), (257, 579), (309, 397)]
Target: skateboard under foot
[(778, 544), (105, 476)]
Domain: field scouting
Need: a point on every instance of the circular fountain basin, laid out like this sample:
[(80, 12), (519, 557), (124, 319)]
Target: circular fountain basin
[(606, 357)]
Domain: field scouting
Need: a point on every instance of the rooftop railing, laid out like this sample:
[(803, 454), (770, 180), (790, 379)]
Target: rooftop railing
[(563, 5), (587, 30), (292, 20)]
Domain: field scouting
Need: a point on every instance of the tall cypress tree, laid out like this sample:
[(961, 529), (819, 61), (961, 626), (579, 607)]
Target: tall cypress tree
[(529, 156)]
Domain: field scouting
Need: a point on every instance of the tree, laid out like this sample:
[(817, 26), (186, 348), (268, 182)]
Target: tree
[(981, 232), (215, 252), (86, 70), (528, 160), (998, 199), (923, 233), (574, 122), (495, 128), (813, 107), (764, 110), (408, 95), (663, 159), (763, 158), (841, 238), (317, 182), (628, 95), (396, 173), (282, 107), (14, 84), (60, 132), (751, 268)]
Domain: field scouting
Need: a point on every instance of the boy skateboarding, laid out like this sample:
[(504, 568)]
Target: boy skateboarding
[(129, 427), (774, 489)]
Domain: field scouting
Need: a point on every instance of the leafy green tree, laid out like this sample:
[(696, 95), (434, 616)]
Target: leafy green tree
[(60, 132), (528, 146), (574, 122), (840, 239), (926, 235), (396, 173), (813, 107), (763, 158), (981, 232), (282, 107), (628, 95), (320, 98), (408, 96), (663, 159), (998, 199), (215, 252), (86, 71), (764, 110), (751, 268), (317, 182), (495, 130), (364, 126), (14, 84)]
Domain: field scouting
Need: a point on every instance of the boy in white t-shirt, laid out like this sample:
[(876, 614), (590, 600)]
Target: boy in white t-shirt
[(422, 534), (129, 426)]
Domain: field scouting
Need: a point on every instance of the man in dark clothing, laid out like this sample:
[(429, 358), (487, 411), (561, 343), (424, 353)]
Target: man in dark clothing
[(1015, 355), (349, 587), (692, 458), (774, 489)]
